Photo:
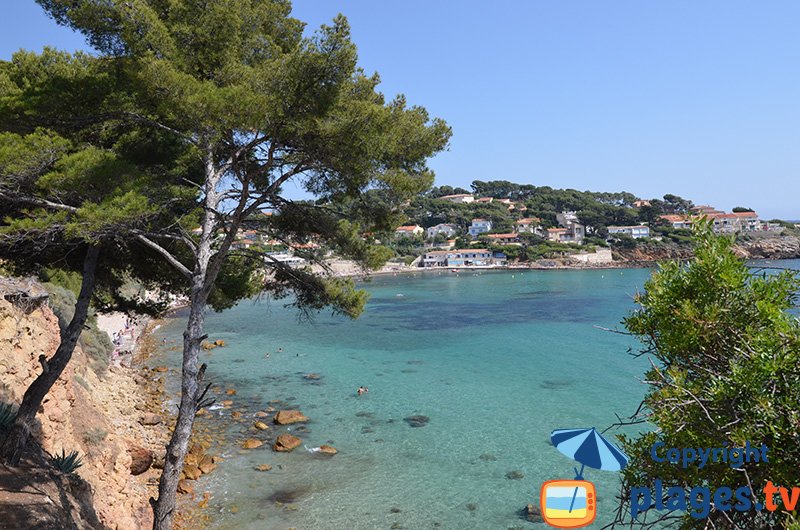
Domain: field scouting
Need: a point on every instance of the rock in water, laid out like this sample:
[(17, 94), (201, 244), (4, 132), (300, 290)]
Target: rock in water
[(531, 513), (261, 426), (287, 417), (192, 472), (328, 450), (417, 421), (263, 467), (515, 475), (252, 443), (286, 443)]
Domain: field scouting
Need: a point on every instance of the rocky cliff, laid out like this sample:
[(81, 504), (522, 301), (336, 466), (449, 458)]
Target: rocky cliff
[(778, 247), (97, 415)]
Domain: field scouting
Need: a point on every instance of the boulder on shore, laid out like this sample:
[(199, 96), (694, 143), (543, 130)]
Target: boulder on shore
[(184, 486), (141, 459), (286, 443), (150, 419), (287, 417)]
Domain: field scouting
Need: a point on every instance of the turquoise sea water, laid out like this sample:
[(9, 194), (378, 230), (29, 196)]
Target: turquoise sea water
[(496, 361)]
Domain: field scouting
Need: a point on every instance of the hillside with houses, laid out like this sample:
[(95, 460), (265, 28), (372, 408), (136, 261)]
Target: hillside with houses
[(500, 224)]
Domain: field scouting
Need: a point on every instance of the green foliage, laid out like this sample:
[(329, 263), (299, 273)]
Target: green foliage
[(66, 463), (94, 343), (7, 414), (726, 370), (94, 436)]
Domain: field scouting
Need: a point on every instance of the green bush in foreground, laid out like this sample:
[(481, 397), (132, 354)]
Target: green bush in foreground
[(7, 413), (66, 463), (725, 354)]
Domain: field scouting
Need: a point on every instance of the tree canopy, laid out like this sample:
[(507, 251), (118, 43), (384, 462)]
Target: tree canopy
[(725, 347)]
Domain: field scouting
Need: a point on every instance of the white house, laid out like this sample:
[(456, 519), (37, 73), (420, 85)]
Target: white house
[(465, 257), (575, 231), (447, 230), (479, 226), (636, 232), (459, 198), (408, 231)]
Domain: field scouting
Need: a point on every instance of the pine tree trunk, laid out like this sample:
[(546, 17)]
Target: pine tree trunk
[(201, 281), (164, 508), (13, 445)]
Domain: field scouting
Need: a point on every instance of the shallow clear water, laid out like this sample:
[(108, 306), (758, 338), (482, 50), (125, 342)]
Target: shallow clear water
[(496, 361)]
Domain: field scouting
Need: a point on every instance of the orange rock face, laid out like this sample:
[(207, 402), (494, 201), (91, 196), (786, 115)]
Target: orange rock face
[(252, 443), (286, 443), (287, 417)]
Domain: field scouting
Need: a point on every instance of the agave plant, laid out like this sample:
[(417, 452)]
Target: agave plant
[(66, 463), (7, 414)]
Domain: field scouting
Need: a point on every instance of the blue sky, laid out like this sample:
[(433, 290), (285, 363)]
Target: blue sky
[(699, 99)]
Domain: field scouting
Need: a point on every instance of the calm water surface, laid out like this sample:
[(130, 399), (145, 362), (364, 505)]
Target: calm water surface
[(495, 361)]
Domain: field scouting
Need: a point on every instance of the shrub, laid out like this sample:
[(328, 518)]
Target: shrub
[(66, 463), (94, 343), (94, 436), (7, 414)]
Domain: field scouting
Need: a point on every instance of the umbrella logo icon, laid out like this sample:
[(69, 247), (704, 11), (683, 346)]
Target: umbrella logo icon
[(573, 503)]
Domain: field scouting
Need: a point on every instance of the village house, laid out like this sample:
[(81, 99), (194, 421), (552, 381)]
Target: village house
[(640, 203), (408, 231), (683, 222), (530, 225), (445, 229), (469, 257), (722, 223), (459, 198), (504, 239), (636, 232), (574, 231), (480, 226), (748, 221)]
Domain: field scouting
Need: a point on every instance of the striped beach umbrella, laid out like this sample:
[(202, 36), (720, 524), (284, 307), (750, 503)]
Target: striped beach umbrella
[(588, 447)]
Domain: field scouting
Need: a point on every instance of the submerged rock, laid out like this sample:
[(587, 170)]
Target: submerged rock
[(261, 426), (287, 417), (192, 472), (252, 443), (417, 420), (487, 457), (263, 467), (531, 513), (515, 475), (286, 443), (328, 450)]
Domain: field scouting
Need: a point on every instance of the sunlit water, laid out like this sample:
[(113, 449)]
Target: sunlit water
[(496, 361)]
